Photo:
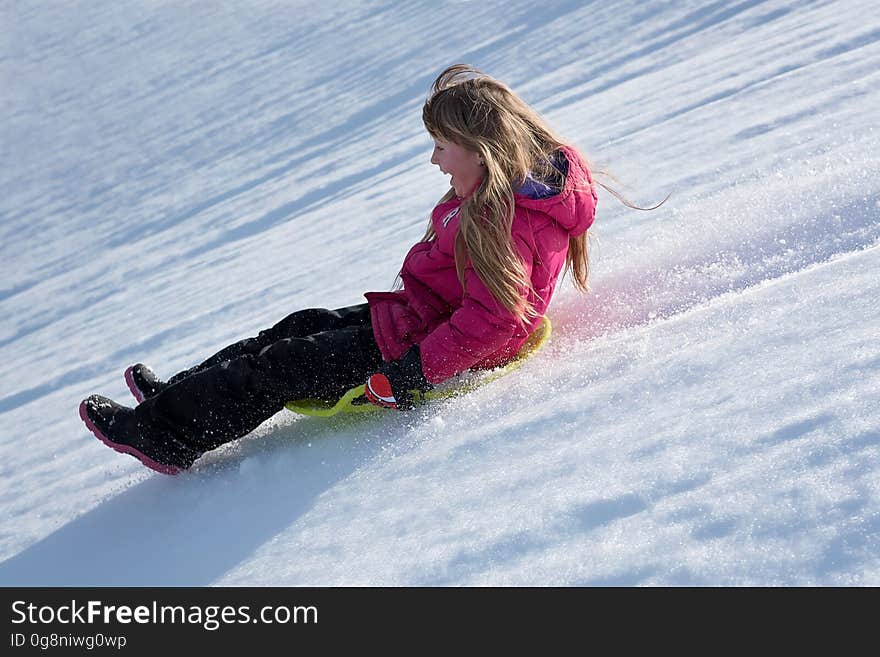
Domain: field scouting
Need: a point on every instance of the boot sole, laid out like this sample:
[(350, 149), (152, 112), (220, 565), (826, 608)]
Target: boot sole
[(125, 449), (129, 380)]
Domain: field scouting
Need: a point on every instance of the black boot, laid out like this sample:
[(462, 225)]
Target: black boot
[(117, 427), (143, 382)]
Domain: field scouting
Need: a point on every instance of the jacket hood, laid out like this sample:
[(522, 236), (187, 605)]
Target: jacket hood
[(574, 207)]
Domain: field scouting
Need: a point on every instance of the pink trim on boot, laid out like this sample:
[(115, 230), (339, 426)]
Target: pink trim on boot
[(131, 386)]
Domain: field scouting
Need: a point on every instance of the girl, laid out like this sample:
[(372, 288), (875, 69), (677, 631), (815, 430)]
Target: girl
[(474, 288)]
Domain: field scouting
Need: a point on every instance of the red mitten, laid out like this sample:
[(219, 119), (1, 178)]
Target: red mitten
[(392, 385)]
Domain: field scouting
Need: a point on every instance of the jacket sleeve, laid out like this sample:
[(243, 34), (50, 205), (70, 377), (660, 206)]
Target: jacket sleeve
[(479, 327)]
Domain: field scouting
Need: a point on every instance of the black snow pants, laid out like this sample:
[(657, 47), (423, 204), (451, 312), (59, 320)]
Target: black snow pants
[(314, 353)]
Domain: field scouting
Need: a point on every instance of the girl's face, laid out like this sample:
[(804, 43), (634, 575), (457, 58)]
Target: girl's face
[(463, 165)]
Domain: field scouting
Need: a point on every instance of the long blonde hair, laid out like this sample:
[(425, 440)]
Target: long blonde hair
[(481, 114)]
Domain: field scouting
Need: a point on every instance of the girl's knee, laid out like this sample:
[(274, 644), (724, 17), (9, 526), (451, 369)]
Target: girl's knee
[(302, 323)]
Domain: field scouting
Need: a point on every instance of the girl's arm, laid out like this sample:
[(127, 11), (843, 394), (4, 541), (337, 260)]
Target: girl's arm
[(479, 328)]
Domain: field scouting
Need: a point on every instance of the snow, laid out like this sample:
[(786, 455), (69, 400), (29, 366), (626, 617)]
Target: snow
[(177, 177)]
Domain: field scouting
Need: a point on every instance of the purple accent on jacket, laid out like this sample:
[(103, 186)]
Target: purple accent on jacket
[(538, 189), (458, 329)]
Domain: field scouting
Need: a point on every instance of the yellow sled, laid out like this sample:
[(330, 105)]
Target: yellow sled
[(354, 400)]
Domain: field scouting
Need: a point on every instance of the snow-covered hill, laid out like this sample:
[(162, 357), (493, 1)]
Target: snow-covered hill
[(178, 176)]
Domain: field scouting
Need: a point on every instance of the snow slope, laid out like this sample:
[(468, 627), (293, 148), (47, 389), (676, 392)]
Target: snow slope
[(175, 177)]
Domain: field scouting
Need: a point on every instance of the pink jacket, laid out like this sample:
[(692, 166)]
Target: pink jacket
[(460, 329)]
